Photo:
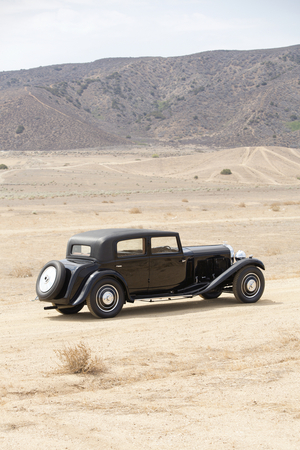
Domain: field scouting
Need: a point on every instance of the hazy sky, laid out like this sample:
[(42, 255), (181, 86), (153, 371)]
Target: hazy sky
[(43, 32)]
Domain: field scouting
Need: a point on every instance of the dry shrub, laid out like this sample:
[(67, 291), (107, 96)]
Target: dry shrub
[(275, 206), (135, 211), (78, 359), (226, 172), (21, 272), (242, 205), (185, 200), (289, 202)]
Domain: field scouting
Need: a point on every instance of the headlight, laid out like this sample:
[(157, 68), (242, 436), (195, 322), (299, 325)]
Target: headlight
[(240, 254)]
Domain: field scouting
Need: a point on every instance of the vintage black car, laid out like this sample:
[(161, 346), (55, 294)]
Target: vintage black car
[(106, 268)]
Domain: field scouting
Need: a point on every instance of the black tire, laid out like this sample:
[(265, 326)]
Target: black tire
[(71, 310), (106, 299), (214, 293), (50, 280), (248, 284)]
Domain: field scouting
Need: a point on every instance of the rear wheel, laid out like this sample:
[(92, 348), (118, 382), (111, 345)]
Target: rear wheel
[(106, 299), (248, 284), (71, 310)]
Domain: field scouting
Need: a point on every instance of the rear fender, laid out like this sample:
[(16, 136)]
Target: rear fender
[(232, 271), (93, 279)]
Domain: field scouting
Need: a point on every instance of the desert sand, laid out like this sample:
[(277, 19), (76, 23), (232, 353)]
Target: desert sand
[(188, 373)]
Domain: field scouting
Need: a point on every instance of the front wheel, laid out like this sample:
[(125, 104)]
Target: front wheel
[(248, 284), (106, 299)]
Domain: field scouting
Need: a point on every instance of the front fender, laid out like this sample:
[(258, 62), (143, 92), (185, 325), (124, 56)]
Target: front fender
[(93, 279), (231, 271)]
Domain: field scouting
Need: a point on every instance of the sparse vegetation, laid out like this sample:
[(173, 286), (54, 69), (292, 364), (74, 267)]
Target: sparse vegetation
[(155, 155), (226, 172), (197, 90), (20, 129), (78, 359), (21, 272), (3, 167), (275, 206), (294, 125), (242, 205), (158, 115), (293, 117), (135, 211)]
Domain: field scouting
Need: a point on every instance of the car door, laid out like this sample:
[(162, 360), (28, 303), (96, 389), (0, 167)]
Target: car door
[(167, 264), (133, 264)]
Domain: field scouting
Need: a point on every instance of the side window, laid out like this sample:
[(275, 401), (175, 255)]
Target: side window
[(131, 247), (166, 244)]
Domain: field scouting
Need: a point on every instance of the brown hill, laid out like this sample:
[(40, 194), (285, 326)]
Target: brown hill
[(216, 99)]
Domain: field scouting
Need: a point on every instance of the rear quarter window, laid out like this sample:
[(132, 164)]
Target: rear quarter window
[(81, 250)]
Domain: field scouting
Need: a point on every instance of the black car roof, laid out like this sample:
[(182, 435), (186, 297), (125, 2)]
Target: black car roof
[(102, 241)]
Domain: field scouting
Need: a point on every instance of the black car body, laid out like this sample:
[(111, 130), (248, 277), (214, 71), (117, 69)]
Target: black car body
[(107, 268)]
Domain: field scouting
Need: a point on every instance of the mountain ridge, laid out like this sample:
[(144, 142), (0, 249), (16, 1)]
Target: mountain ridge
[(222, 98)]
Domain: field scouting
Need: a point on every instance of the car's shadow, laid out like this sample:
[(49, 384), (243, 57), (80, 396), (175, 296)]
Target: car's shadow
[(166, 308)]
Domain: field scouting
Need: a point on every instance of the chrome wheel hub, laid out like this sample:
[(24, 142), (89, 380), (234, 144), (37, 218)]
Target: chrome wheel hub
[(47, 279), (250, 285), (107, 297)]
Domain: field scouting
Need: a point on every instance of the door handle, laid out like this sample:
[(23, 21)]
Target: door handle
[(120, 265), (183, 260)]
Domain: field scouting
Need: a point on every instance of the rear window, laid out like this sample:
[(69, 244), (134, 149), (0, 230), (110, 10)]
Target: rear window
[(81, 250)]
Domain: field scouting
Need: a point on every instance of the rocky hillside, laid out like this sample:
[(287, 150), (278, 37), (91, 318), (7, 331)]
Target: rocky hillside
[(216, 99)]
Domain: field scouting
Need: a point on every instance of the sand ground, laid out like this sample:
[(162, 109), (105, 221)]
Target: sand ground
[(190, 373)]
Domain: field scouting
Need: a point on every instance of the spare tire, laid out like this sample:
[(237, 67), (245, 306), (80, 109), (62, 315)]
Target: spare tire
[(50, 280)]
